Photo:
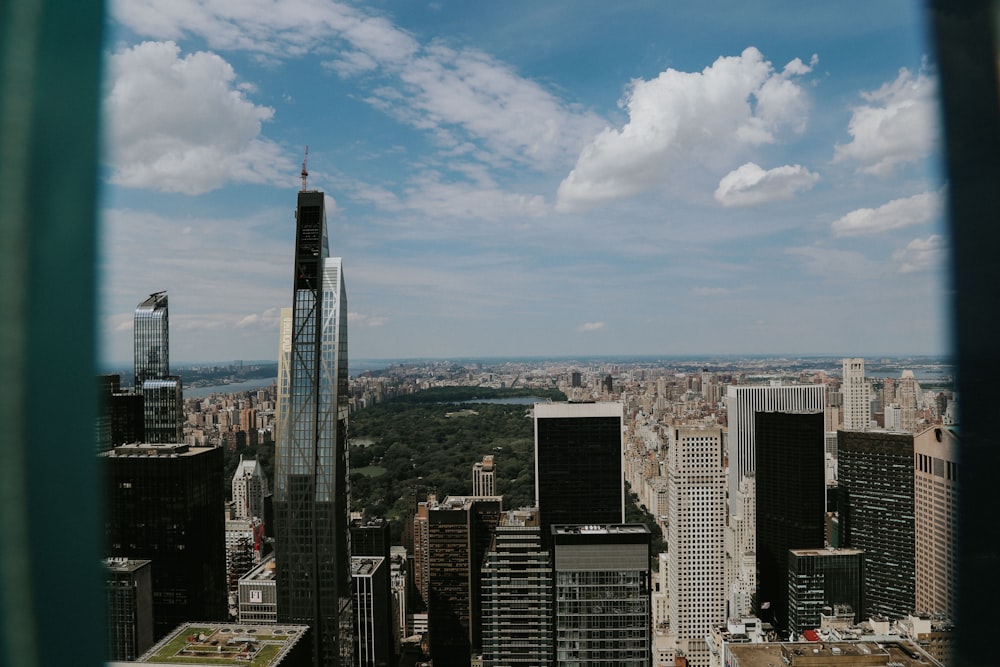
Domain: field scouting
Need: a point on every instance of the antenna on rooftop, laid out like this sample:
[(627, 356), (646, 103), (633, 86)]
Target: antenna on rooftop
[(305, 174)]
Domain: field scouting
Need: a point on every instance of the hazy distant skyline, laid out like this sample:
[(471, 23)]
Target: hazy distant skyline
[(529, 179)]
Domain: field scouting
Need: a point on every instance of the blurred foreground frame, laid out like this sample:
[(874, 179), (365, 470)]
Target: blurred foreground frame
[(51, 606), (51, 603)]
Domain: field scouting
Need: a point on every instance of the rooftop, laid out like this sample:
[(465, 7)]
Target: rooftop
[(225, 644)]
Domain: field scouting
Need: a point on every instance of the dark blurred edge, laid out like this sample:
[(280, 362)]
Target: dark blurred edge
[(51, 606), (965, 38)]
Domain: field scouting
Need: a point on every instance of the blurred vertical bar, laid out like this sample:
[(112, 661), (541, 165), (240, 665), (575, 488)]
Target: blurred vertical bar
[(51, 610), (965, 39)]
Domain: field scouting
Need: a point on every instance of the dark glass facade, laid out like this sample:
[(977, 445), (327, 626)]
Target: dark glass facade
[(820, 578), (164, 505), (578, 464), (312, 547), (163, 406), (876, 478), (791, 499)]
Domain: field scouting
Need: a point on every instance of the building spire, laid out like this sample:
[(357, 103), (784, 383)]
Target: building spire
[(305, 174)]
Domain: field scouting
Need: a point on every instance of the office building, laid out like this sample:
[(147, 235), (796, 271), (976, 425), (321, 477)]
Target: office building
[(696, 555), (936, 491), (372, 612), (459, 533), (484, 477), (578, 464), (164, 504), (244, 543), (517, 594), (129, 604), (857, 396), (312, 549), (249, 488), (163, 407), (602, 595), (371, 539), (741, 551), (258, 597), (822, 578), (745, 401), (908, 392), (120, 414), (876, 504), (791, 501)]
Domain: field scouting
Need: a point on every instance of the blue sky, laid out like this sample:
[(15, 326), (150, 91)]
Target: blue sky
[(529, 178)]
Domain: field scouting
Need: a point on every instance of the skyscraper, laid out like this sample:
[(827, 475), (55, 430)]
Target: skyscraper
[(743, 402), (484, 477), (312, 548), (819, 578), (578, 464), (877, 515), (857, 396), (791, 500), (163, 407), (936, 510)]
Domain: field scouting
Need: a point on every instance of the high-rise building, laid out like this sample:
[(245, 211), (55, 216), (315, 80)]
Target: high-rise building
[(372, 611), (163, 405), (819, 578), (459, 533), (909, 398), (741, 550), (876, 503), (129, 605), (484, 477), (371, 540), (516, 594), (791, 501), (602, 595), (578, 464), (936, 510), (312, 549), (164, 504), (743, 402), (696, 556), (249, 489), (857, 396)]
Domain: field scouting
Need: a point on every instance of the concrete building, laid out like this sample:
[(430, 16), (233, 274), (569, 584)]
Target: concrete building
[(164, 504), (791, 501), (897, 653), (696, 555), (200, 644), (857, 396), (129, 604), (936, 489), (821, 579), (876, 503), (578, 464), (602, 595), (249, 488), (741, 550), (484, 477), (743, 402), (516, 594), (312, 546)]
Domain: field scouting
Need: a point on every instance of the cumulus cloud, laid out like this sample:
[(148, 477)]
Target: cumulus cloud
[(897, 125), (182, 124), (750, 184), (591, 326), (682, 117), (455, 95), (898, 213), (921, 255)]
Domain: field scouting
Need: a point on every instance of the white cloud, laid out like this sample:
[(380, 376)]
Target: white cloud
[(367, 320), (591, 326), (750, 184), (898, 213), (454, 95), (182, 124), (681, 118), (921, 255), (898, 125)]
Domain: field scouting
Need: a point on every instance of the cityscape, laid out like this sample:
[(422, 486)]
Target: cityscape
[(803, 508), (649, 307)]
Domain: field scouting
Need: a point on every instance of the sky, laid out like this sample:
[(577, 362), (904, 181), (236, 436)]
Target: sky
[(526, 178)]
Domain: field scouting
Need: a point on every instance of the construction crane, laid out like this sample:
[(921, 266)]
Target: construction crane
[(305, 174)]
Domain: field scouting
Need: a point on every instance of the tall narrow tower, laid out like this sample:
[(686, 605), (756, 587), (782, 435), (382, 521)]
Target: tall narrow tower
[(312, 548), (163, 405), (857, 403)]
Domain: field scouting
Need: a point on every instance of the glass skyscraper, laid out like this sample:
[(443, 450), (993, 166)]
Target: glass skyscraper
[(312, 549), (163, 406)]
